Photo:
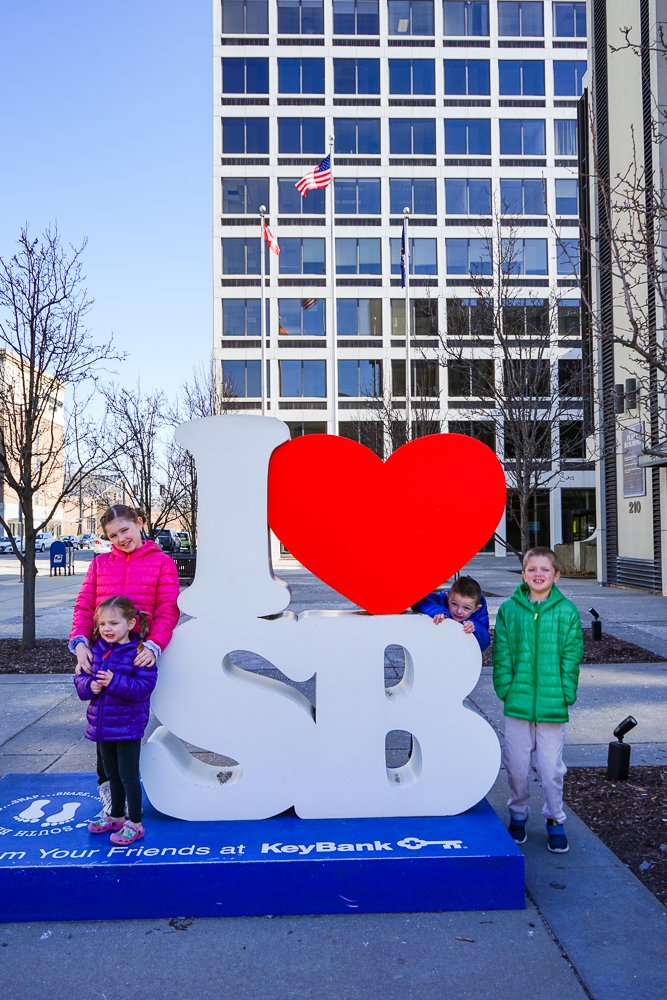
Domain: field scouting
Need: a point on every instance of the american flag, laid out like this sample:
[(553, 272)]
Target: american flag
[(318, 177), (271, 240), (308, 303)]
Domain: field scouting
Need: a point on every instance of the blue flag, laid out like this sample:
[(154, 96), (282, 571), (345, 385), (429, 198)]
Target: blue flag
[(404, 256)]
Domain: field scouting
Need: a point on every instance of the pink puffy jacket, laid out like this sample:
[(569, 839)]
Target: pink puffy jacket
[(147, 575)]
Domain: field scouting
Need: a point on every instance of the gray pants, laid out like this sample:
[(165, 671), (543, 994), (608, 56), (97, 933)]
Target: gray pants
[(546, 740)]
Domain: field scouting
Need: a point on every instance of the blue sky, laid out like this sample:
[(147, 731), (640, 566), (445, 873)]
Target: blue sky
[(106, 130)]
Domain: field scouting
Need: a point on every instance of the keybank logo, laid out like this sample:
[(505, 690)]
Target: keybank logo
[(36, 816)]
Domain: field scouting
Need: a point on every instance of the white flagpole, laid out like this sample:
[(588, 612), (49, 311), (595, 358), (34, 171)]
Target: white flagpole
[(262, 318), (408, 323), (334, 325)]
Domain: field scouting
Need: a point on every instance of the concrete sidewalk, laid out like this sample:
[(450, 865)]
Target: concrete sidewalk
[(590, 929)]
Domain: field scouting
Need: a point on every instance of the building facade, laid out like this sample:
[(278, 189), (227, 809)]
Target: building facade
[(462, 111), (622, 170)]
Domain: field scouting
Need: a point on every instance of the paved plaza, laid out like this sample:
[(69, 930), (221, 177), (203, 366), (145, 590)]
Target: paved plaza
[(590, 929)]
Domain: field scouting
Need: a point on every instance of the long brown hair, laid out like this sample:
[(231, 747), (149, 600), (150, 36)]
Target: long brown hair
[(122, 511), (127, 610)]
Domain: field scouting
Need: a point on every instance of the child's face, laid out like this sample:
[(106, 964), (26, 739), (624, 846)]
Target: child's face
[(460, 608), (113, 627), (124, 535), (540, 575)]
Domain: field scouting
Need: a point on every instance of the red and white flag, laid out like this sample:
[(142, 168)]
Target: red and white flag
[(318, 177), (271, 240)]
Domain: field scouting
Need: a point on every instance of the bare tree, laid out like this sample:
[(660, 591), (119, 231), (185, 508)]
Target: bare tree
[(46, 449), (501, 358)]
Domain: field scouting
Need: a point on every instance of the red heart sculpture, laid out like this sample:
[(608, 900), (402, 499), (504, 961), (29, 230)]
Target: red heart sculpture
[(384, 534)]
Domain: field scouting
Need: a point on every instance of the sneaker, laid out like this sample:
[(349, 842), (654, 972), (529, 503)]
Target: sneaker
[(556, 839), (517, 830), (105, 824), (128, 834)]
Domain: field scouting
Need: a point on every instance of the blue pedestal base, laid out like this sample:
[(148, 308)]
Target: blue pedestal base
[(51, 868)]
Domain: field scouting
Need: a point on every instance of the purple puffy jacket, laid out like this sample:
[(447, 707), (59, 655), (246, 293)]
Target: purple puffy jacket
[(120, 711)]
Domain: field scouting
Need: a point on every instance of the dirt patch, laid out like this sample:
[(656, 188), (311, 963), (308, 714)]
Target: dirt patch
[(50, 656), (608, 650), (630, 817)]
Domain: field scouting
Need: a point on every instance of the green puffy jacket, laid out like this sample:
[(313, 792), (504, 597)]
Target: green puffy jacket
[(537, 650)]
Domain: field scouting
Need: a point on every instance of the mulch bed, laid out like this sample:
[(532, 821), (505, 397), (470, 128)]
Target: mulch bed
[(630, 817)]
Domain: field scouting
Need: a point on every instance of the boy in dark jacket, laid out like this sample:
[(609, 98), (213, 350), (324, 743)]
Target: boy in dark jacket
[(537, 650), (464, 603)]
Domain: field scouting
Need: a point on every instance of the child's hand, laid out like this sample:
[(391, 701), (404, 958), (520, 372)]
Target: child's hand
[(468, 627), (84, 659), (95, 687), (104, 677), (437, 619), (145, 657)]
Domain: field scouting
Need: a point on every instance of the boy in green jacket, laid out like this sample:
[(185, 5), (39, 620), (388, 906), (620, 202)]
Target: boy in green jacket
[(537, 649)]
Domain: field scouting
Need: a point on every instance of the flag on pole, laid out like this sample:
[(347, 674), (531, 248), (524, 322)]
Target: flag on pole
[(271, 240), (318, 177), (307, 303), (405, 256)]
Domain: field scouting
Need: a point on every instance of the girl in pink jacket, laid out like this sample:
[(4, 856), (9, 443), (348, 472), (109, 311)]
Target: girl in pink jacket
[(137, 569)]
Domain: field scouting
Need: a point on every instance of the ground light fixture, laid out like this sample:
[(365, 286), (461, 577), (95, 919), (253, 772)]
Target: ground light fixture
[(596, 625), (618, 758)]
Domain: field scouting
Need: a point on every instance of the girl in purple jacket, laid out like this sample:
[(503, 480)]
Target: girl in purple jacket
[(118, 692)]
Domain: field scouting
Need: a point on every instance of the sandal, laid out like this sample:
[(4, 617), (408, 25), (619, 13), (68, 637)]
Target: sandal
[(105, 824), (129, 833)]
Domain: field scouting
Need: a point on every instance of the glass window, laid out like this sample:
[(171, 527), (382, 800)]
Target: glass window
[(357, 135), (292, 203), (466, 17), (569, 20), (303, 378), (245, 135), (572, 439), (567, 252), (301, 255), (410, 17), (423, 317), (356, 76), (523, 137), (481, 430), (357, 197), (468, 197), (568, 77), (570, 377), (468, 256), (423, 377), (359, 317), (301, 317), (423, 255), (467, 136), (417, 195), (470, 317), (567, 196), (301, 135), (241, 317), (524, 77), (523, 19), (355, 17), (523, 197), (527, 256), (245, 17), (243, 196), (300, 17), (240, 255), (526, 316), (358, 256), (301, 76), (369, 433), (359, 378), (411, 76), (467, 76), (298, 428), (525, 377), (565, 136), (569, 318), (245, 76), (467, 377), (242, 378), (412, 135)]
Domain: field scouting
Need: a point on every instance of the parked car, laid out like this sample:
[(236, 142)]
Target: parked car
[(71, 540), (101, 545), (168, 540), (6, 545), (184, 538), (86, 541), (43, 540)]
